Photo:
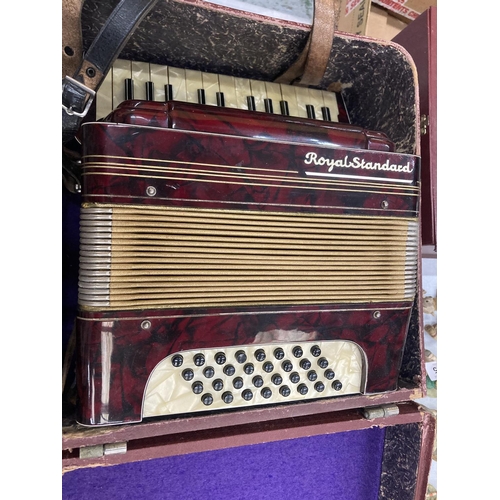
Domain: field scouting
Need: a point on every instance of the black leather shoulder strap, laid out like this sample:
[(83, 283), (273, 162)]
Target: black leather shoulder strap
[(78, 90)]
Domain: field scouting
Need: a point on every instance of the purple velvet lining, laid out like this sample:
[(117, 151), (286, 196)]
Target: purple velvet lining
[(344, 466)]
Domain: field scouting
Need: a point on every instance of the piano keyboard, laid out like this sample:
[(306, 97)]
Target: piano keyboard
[(152, 82)]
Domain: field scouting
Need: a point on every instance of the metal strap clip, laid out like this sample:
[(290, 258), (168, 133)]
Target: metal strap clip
[(69, 109)]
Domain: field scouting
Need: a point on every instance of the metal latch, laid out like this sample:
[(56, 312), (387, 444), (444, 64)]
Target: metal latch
[(380, 411), (424, 124), (101, 450), (91, 94)]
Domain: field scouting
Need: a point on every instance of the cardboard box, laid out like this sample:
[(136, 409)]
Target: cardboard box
[(409, 9), (383, 25), (352, 19), (354, 16)]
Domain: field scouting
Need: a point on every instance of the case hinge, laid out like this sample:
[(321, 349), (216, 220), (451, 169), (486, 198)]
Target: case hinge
[(424, 124), (101, 450), (380, 411)]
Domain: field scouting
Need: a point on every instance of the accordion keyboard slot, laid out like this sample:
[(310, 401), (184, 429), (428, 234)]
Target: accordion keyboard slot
[(147, 257), (211, 379)]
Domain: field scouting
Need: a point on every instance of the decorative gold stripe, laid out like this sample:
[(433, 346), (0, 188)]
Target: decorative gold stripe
[(143, 160), (282, 178), (213, 181)]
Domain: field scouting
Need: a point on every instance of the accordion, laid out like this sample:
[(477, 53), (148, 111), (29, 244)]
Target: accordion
[(231, 259)]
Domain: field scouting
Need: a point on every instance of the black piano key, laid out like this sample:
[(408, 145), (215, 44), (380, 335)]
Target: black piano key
[(268, 105), (150, 91), (201, 96), (343, 115), (220, 99), (169, 92), (251, 103), (326, 114), (129, 89), (285, 111), (310, 111)]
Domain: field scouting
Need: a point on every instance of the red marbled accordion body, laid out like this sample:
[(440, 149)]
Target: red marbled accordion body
[(219, 171), (116, 351), (128, 164), (230, 121)]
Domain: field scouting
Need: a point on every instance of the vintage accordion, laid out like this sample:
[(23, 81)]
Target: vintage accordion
[(230, 259)]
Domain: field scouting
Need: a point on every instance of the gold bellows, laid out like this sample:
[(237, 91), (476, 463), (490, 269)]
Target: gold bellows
[(136, 257)]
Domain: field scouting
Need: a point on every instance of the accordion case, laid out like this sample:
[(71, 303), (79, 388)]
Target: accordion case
[(248, 280), (347, 454)]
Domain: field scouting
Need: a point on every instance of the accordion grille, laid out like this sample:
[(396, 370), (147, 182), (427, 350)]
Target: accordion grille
[(137, 257)]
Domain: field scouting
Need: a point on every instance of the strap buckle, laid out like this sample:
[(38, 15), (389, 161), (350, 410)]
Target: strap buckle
[(69, 109)]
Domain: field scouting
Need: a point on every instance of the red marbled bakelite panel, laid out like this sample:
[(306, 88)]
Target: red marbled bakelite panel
[(230, 121), (217, 171), (116, 355)]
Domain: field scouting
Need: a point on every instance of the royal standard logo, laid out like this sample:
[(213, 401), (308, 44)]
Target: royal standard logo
[(335, 166)]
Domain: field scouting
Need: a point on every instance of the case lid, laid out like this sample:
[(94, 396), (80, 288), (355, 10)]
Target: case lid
[(419, 38)]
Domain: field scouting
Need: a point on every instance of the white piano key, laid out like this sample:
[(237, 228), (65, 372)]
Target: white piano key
[(315, 98), (302, 98), (194, 83), (177, 78), (140, 75), (243, 90), (259, 94), (289, 95), (159, 77), (273, 92), (330, 100), (210, 83), (121, 71), (104, 100), (227, 87)]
